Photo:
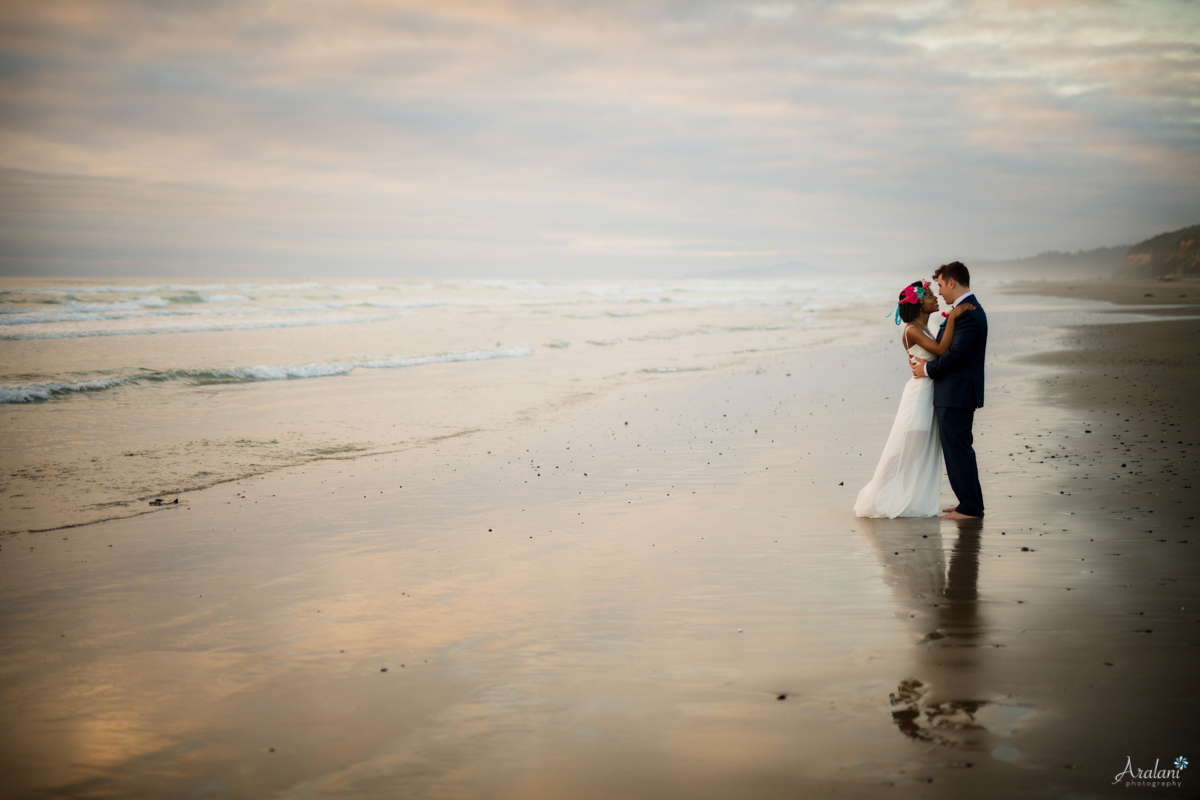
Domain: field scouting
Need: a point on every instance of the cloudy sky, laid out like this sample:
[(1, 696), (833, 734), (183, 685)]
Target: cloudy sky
[(525, 138)]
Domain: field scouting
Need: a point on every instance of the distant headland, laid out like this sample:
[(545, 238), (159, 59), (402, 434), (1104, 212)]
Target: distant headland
[(1172, 254)]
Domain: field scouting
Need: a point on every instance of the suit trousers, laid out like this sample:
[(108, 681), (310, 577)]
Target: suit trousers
[(954, 427)]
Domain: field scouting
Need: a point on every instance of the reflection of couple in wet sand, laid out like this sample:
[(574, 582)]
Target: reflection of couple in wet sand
[(937, 408), (942, 601)]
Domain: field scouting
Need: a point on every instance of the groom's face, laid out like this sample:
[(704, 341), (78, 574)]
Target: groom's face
[(947, 289)]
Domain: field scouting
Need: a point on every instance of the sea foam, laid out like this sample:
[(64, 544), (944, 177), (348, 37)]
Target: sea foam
[(27, 393), (249, 326), (31, 392)]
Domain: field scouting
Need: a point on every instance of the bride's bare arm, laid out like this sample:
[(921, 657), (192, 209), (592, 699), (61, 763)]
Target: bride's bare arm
[(918, 336)]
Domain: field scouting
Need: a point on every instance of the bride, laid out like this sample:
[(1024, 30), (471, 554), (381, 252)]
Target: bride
[(908, 479)]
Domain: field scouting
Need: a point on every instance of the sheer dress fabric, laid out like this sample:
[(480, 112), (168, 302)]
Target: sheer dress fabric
[(908, 479)]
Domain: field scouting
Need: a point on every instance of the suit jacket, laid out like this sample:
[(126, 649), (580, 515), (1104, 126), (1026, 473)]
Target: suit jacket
[(958, 373)]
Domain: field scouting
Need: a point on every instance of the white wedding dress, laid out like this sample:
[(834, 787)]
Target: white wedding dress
[(908, 478)]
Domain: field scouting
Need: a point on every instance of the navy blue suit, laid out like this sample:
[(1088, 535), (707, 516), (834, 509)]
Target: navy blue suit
[(957, 391)]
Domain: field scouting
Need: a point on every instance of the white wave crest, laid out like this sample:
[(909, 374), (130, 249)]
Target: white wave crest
[(249, 326), (271, 373), (74, 312), (177, 287), (27, 393), (151, 301)]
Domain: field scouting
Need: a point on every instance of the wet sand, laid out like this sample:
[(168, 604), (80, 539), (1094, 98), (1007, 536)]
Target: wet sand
[(659, 591)]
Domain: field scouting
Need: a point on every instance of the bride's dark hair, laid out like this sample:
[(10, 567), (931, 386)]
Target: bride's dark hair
[(910, 311)]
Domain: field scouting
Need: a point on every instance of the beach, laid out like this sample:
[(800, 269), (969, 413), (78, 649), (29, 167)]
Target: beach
[(623, 563)]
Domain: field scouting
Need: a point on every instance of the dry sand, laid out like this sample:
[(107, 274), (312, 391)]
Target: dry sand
[(647, 595)]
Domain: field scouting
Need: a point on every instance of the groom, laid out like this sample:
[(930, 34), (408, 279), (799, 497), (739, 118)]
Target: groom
[(958, 389)]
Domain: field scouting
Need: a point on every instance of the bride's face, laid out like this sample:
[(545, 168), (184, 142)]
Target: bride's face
[(929, 303)]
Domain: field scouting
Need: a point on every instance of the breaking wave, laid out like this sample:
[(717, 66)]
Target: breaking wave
[(246, 326), (32, 392)]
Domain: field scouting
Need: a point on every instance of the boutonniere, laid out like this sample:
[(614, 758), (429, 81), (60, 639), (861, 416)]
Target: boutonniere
[(944, 314)]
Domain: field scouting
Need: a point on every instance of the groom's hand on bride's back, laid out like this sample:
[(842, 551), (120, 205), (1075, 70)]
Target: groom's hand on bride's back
[(918, 367)]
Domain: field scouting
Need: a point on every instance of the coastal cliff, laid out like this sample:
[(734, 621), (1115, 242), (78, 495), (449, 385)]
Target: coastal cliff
[(1173, 253)]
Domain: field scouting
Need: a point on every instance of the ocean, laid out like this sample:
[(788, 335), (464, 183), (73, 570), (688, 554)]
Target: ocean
[(115, 393)]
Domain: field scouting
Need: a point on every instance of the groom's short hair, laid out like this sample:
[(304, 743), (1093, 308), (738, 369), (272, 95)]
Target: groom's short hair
[(954, 271)]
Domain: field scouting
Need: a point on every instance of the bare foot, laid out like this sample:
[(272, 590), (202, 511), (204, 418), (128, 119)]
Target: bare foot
[(949, 510), (956, 515)]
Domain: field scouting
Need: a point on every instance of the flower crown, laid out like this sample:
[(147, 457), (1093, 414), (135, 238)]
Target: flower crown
[(913, 294)]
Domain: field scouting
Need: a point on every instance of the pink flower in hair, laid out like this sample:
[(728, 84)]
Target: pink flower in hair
[(910, 295)]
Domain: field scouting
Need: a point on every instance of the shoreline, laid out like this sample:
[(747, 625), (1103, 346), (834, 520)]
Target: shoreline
[(659, 589)]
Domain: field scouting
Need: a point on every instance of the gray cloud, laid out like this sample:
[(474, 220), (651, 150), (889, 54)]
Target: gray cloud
[(527, 138)]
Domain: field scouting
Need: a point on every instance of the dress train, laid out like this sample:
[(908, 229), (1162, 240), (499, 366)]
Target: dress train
[(908, 478)]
